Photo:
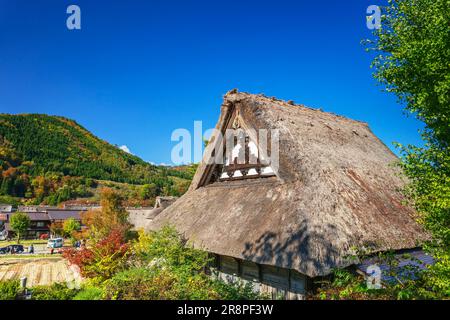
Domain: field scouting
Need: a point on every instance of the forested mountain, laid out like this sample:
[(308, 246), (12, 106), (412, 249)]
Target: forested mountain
[(52, 159)]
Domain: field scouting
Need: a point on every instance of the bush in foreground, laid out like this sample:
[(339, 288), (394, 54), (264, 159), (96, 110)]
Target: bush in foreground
[(9, 290), (57, 291), (89, 293), (103, 259)]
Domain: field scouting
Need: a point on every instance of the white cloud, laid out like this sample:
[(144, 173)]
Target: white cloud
[(159, 164), (125, 148)]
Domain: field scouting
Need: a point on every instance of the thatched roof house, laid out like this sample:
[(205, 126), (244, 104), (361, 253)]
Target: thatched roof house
[(336, 189)]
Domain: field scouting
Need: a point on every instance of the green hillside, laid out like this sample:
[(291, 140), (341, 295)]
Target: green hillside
[(45, 156)]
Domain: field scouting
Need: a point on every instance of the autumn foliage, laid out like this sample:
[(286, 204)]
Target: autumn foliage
[(50, 160), (104, 259), (106, 234), (110, 217)]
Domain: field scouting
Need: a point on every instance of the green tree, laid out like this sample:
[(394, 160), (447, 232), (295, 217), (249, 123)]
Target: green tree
[(70, 226), (6, 186), (148, 191), (413, 62), (56, 228), (19, 223), (111, 216)]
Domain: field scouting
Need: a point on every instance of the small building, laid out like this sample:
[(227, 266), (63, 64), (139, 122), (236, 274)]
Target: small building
[(336, 190), (39, 224), (75, 207), (3, 218), (35, 208), (6, 208), (140, 217), (3, 222), (40, 221), (60, 215), (80, 205)]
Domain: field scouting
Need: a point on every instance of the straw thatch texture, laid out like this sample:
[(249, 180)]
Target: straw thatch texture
[(337, 188)]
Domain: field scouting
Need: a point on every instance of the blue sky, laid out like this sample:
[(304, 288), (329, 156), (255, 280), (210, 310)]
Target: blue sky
[(139, 69)]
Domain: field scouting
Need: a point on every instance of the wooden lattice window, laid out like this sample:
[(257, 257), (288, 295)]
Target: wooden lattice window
[(250, 167), (243, 161)]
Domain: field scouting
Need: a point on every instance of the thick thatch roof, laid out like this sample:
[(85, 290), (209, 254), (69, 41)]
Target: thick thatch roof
[(336, 189)]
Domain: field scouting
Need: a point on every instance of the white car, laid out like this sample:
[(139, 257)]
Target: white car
[(55, 243)]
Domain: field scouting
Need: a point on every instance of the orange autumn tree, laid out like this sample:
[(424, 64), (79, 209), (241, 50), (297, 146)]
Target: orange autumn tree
[(103, 259), (56, 228), (111, 216), (107, 230)]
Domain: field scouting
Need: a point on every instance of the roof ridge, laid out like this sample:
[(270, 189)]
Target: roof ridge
[(234, 96)]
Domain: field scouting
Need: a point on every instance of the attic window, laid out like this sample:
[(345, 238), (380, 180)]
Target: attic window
[(233, 170), (243, 162), (240, 152)]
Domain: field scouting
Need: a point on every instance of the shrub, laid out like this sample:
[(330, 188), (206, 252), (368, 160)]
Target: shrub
[(9, 289), (237, 290), (104, 259), (57, 291), (402, 285), (90, 293), (345, 285), (70, 226), (135, 284), (157, 284), (168, 248), (178, 270), (159, 266)]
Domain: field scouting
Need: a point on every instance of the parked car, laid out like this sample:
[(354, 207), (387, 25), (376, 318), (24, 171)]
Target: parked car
[(16, 248), (13, 248), (43, 236), (55, 243)]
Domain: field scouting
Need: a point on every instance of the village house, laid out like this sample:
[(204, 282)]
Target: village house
[(140, 217), (61, 215), (80, 205), (39, 225), (34, 208), (40, 221), (336, 191), (42, 217), (6, 208)]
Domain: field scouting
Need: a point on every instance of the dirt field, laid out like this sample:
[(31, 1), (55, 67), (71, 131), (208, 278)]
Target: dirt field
[(39, 271)]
